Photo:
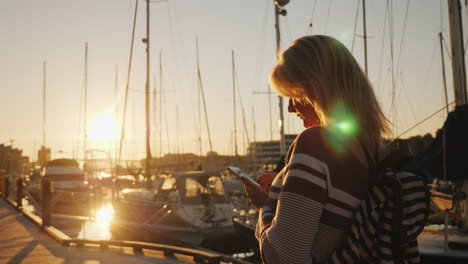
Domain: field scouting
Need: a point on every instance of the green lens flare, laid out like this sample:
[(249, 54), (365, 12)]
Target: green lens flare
[(342, 127), (345, 36), (346, 127)]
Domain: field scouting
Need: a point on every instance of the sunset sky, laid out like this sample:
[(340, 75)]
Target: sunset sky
[(56, 31)]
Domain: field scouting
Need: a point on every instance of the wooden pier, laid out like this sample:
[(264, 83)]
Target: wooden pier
[(23, 240)]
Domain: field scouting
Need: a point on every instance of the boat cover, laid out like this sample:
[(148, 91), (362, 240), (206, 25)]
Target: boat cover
[(430, 163)]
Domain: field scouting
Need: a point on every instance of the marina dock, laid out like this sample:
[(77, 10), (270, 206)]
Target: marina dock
[(23, 240), (433, 249)]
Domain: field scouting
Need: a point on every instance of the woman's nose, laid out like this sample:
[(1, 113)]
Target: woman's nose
[(291, 108)]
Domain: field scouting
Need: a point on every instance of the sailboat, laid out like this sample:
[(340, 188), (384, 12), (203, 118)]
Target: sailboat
[(445, 159), (184, 208), (71, 188)]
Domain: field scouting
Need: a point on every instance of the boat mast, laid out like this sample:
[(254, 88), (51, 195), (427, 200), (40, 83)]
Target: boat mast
[(443, 71), (44, 155), (234, 105), (458, 58), (116, 96), (163, 105), (202, 93), (122, 133), (254, 131), (200, 151), (365, 32), (147, 97), (279, 10), (155, 117), (269, 111), (160, 103), (459, 86), (85, 134), (178, 150)]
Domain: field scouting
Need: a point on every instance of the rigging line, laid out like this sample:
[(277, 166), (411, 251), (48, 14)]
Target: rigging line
[(172, 38), (407, 100), (200, 119), (403, 35), (199, 105), (261, 47), (434, 49), (288, 31), (382, 48), (79, 121), (180, 53), (164, 108), (167, 125), (161, 87), (466, 16), (447, 49), (133, 150), (139, 91), (387, 93), (85, 105), (355, 24), (203, 100), (234, 106), (441, 17), (431, 63), (310, 28), (115, 113), (206, 112), (122, 134), (466, 45), (390, 27), (269, 108), (425, 119), (178, 148), (328, 16), (155, 116), (242, 106)]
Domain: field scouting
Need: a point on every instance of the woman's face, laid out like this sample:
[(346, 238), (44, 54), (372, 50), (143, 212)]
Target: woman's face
[(304, 111)]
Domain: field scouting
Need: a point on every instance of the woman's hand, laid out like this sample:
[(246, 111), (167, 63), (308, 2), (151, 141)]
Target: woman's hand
[(258, 196)]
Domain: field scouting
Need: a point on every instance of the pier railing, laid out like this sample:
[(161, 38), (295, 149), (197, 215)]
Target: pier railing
[(13, 191)]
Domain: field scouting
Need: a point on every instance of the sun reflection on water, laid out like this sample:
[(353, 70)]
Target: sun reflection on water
[(104, 216), (99, 227)]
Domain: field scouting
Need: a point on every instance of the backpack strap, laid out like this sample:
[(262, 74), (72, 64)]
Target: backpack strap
[(390, 179), (372, 165), (398, 233)]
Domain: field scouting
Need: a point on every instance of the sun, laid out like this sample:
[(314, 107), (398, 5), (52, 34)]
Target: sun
[(103, 128)]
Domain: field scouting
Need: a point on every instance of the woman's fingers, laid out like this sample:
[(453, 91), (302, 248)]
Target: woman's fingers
[(257, 195)]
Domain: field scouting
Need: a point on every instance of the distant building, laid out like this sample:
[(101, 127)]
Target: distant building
[(43, 156), (12, 161), (267, 153), (259, 154)]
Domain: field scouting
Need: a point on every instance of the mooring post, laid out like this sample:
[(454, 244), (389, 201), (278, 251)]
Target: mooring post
[(19, 193), (7, 187), (46, 195), (2, 182)]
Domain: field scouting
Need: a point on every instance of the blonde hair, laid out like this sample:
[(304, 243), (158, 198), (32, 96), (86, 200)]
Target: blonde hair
[(321, 71)]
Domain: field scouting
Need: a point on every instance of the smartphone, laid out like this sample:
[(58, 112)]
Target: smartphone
[(240, 174)]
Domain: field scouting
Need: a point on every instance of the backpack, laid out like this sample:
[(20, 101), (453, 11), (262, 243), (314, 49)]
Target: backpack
[(389, 219)]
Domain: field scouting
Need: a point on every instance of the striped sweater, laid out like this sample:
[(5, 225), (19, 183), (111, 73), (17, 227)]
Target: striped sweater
[(312, 201)]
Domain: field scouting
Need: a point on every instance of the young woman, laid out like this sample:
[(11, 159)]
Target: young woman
[(309, 208)]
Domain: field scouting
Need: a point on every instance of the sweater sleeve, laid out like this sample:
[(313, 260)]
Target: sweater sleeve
[(290, 236)]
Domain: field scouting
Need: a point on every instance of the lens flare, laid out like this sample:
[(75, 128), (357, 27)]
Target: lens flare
[(345, 36), (342, 127)]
